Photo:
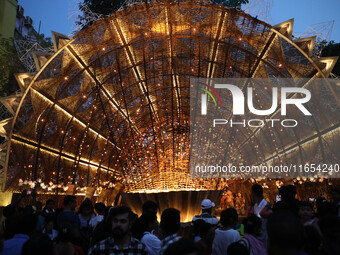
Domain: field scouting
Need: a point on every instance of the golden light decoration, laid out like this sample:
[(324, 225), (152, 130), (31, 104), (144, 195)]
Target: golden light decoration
[(112, 105)]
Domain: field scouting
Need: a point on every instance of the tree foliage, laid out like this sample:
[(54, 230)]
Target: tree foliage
[(9, 64), (232, 3), (45, 42), (107, 7), (332, 49)]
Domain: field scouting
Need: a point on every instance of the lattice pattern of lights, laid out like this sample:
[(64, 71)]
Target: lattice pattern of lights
[(112, 105)]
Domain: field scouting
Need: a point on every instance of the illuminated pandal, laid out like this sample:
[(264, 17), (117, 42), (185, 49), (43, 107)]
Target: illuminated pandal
[(111, 107)]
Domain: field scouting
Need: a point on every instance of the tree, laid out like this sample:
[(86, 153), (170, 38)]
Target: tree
[(232, 3), (9, 64), (105, 7), (332, 49), (45, 42)]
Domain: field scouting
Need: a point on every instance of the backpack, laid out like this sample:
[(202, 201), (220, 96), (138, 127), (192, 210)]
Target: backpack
[(246, 243)]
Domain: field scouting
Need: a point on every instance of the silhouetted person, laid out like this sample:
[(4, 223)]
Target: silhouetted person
[(288, 200), (150, 206), (207, 233), (144, 228), (252, 230), (103, 229), (313, 240), (170, 225), (330, 228), (41, 218), (207, 207), (49, 228), (85, 215), (49, 208), (335, 198), (261, 208), (285, 233), (26, 227), (305, 213), (68, 214), (100, 209), (226, 234), (38, 244), (65, 245)]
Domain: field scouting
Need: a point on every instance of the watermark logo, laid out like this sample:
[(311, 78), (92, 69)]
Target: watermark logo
[(205, 98), (239, 100), (263, 127)]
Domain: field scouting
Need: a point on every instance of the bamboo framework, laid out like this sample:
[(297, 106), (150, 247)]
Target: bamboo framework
[(112, 105)]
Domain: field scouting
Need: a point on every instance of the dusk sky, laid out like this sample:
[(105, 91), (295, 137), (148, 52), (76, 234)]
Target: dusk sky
[(58, 15)]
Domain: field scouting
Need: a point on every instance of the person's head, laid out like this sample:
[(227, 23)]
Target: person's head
[(49, 204), (207, 232), (70, 202), (253, 225), (100, 208), (149, 220), (229, 218), (237, 249), (287, 193), (256, 193), (170, 221), (335, 195), (10, 211), (305, 211), (39, 206), (150, 206), (146, 222), (86, 207), (207, 205), (121, 221), (285, 232), (182, 247), (39, 244), (49, 223), (197, 226)]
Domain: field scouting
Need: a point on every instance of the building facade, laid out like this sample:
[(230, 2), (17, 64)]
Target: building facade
[(24, 25), (8, 9)]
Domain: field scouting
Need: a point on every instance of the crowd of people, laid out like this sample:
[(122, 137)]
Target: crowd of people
[(288, 227)]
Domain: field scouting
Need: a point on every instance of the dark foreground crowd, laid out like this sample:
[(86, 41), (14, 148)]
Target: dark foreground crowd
[(289, 227)]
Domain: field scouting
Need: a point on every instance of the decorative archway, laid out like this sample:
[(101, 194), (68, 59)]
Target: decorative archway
[(111, 106)]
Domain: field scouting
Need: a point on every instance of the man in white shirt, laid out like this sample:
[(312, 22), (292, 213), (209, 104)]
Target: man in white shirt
[(226, 234), (261, 208)]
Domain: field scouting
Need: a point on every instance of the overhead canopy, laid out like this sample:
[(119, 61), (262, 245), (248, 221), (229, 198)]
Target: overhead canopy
[(112, 105)]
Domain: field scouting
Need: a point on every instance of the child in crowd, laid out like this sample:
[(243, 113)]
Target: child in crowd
[(49, 228)]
